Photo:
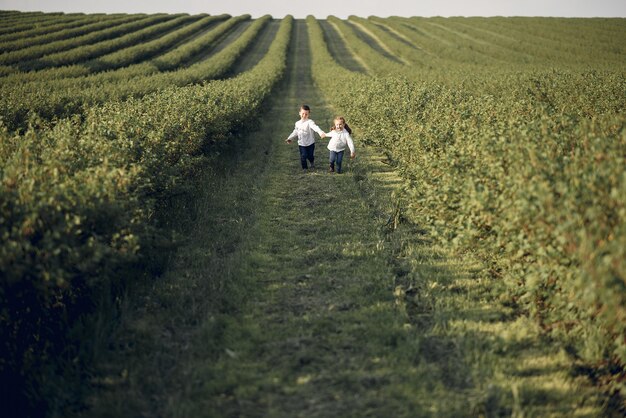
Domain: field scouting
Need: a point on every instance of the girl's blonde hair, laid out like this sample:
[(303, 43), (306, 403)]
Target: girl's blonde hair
[(343, 121)]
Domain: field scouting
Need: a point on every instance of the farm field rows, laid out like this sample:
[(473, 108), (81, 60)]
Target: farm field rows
[(470, 262)]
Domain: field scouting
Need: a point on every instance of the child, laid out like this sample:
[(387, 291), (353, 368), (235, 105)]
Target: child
[(339, 139), (306, 140)]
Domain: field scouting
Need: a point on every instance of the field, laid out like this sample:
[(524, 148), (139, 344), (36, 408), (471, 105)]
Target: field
[(164, 254)]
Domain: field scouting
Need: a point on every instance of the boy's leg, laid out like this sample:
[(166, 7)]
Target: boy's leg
[(311, 154), (339, 160), (303, 154)]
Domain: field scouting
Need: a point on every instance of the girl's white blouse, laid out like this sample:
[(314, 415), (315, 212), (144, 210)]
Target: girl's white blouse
[(339, 140)]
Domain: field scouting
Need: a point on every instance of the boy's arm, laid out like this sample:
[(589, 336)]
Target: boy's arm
[(291, 136), (317, 129)]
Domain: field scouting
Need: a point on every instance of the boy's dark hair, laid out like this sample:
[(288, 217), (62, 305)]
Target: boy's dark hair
[(305, 107)]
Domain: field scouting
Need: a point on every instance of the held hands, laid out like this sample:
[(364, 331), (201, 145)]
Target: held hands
[(323, 135)]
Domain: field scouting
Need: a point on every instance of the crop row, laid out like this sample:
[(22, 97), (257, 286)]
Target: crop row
[(139, 32), (67, 38), (173, 58), (77, 199), (70, 96), (530, 177), (80, 50), (470, 51), (538, 44), (24, 27), (86, 56)]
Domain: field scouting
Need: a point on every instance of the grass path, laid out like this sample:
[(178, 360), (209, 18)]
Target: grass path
[(300, 295), (317, 333)]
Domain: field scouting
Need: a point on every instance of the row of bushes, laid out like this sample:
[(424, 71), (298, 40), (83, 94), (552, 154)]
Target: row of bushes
[(77, 201), (17, 34), (158, 24), (94, 30), (84, 51), (16, 24), (63, 98), (473, 54), (532, 180), (171, 60)]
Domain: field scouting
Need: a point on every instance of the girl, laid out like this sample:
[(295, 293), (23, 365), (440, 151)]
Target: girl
[(339, 139)]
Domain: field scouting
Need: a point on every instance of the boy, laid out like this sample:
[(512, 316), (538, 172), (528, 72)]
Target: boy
[(306, 139)]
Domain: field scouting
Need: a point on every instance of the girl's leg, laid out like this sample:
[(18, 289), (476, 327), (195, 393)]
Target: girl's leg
[(332, 159), (303, 154), (339, 160)]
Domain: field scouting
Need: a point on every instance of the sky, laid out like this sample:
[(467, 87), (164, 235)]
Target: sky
[(339, 8)]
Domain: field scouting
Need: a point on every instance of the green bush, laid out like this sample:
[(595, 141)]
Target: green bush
[(529, 175), (77, 201)]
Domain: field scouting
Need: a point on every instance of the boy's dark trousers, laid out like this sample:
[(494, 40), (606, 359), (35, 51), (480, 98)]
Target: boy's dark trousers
[(307, 153)]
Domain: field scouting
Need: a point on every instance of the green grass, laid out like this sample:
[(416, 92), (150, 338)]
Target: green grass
[(310, 295)]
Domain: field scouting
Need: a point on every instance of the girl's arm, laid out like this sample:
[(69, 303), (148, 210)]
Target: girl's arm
[(350, 145)]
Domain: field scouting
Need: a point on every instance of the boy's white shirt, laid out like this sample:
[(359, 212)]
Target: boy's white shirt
[(339, 140), (304, 131)]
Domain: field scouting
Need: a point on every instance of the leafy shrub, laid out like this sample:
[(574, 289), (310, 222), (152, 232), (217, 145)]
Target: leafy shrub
[(531, 177)]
